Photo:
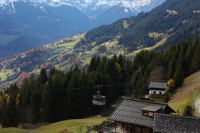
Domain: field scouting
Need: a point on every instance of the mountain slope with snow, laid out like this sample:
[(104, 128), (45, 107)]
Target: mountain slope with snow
[(88, 6), (25, 24)]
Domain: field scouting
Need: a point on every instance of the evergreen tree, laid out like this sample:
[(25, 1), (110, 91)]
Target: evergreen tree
[(171, 68), (25, 91), (195, 64), (188, 111), (43, 76), (9, 117), (178, 76), (35, 106), (167, 97), (34, 86), (94, 63), (46, 104), (5, 116)]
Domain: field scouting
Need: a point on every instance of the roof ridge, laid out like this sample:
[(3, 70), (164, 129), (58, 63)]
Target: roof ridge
[(178, 116), (145, 101)]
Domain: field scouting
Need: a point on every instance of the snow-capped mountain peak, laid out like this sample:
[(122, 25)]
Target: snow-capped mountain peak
[(85, 5), (27, 23)]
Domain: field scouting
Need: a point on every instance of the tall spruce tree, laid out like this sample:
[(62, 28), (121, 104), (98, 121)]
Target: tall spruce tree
[(179, 75), (188, 111), (45, 109), (43, 76), (9, 110)]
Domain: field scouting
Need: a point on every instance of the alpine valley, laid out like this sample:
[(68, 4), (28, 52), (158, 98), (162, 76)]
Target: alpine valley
[(165, 25), (25, 24)]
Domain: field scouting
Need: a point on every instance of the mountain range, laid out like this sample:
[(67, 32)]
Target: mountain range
[(163, 26), (25, 24), (89, 6)]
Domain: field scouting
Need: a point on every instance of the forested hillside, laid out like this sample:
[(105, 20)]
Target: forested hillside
[(165, 25), (59, 95)]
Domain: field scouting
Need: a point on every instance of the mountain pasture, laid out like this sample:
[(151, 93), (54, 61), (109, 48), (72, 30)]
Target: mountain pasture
[(188, 93), (68, 126)]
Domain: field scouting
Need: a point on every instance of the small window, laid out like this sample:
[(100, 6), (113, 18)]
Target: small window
[(160, 92), (150, 113), (145, 113), (138, 130), (145, 130), (154, 92)]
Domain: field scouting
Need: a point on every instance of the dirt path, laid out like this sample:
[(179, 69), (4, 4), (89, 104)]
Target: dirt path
[(189, 83)]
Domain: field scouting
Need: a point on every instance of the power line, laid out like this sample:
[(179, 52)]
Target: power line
[(72, 89)]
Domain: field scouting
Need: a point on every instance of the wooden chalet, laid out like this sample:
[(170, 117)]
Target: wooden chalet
[(157, 89), (136, 116)]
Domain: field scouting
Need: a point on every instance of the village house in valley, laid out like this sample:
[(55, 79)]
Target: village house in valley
[(157, 89), (138, 116)]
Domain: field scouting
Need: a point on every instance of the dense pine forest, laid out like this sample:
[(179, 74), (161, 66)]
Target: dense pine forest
[(55, 95)]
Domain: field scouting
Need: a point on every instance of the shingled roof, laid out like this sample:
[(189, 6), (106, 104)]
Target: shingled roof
[(152, 108), (157, 85), (175, 124), (130, 111)]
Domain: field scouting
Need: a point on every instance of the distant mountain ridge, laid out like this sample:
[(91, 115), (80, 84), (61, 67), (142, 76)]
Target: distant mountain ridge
[(89, 6), (25, 24), (163, 26), (30, 26)]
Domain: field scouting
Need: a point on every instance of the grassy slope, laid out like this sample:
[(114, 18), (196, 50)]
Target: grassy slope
[(13, 130), (59, 127), (160, 43), (189, 93)]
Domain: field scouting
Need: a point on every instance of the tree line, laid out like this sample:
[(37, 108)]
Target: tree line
[(57, 95)]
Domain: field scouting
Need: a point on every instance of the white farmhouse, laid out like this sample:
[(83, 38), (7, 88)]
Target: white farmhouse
[(157, 89)]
